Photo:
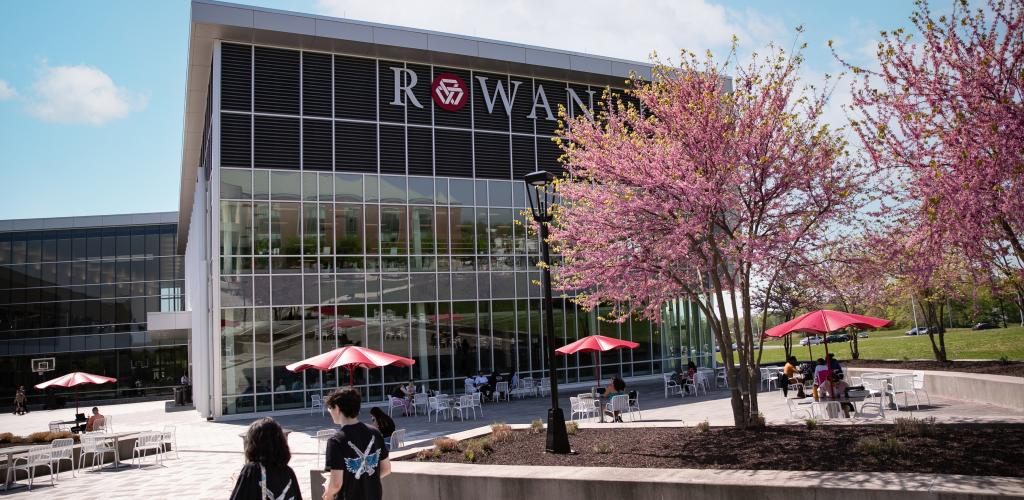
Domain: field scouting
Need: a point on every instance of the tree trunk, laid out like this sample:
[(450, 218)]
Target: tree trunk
[(933, 320), (739, 403), (854, 348)]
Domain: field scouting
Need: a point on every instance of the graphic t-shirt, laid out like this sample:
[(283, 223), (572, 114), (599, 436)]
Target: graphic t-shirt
[(281, 484), (357, 450)]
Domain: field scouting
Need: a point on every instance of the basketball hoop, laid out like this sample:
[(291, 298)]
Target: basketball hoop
[(39, 372)]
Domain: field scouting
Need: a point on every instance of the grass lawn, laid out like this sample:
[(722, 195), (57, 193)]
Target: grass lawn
[(961, 343)]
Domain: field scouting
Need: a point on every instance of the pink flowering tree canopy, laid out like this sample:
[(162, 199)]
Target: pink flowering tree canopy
[(713, 184)]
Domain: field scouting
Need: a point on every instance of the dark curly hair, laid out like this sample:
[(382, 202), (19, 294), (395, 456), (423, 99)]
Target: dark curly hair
[(266, 443), (347, 400)]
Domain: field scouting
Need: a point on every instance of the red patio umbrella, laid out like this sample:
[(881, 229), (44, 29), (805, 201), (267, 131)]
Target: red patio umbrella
[(825, 321), (596, 344), (75, 379), (348, 323), (350, 357)]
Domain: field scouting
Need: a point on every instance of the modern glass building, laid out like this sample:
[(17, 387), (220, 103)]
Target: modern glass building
[(75, 293), (348, 183)]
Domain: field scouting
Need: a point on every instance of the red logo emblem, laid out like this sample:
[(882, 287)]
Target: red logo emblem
[(449, 91)]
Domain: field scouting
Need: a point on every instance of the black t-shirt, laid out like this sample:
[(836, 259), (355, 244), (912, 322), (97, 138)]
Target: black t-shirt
[(281, 484), (357, 450)]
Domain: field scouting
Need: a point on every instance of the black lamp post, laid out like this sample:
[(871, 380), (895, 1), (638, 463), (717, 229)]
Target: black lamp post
[(541, 193)]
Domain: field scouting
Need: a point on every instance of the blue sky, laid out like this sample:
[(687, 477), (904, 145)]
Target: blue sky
[(92, 92)]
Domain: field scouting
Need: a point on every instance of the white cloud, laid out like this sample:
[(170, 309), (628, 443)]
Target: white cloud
[(600, 27), (6, 91), (81, 94)]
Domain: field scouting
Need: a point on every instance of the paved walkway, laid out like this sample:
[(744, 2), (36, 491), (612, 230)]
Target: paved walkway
[(212, 451)]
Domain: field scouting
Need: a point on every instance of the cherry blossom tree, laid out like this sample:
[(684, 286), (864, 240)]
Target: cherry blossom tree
[(700, 193), (945, 109)]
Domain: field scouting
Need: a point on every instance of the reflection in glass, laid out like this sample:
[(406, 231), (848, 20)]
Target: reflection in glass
[(287, 339), (348, 187), (421, 223), (421, 190), (234, 184), (284, 229), (392, 189), (236, 352), (285, 185), (461, 192), (393, 236), (348, 224)]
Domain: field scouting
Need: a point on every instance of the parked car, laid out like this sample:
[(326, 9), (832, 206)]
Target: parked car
[(810, 340), (983, 326), (921, 330), (862, 335), (838, 337)]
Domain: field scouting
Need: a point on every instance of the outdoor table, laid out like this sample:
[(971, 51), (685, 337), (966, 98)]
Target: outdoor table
[(116, 438), (10, 452), (887, 377)]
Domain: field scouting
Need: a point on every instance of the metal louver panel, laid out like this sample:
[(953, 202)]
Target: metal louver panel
[(236, 77), (421, 151), (453, 153), (392, 149), (317, 153), (276, 142), (355, 84), (547, 156), (235, 140), (276, 88), (316, 84), (524, 158), (355, 147), (492, 156)]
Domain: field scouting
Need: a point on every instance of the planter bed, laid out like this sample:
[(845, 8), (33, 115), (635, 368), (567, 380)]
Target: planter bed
[(967, 449)]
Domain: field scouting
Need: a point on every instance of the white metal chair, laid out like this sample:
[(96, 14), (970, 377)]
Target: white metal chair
[(919, 387), (720, 378), (394, 402), (586, 407), (315, 401), (525, 388), (58, 426), (321, 439), (419, 399), (671, 387), (700, 382), (478, 402), (876, 388), (903, 384), (545, 386), (437, 406), (634, 405), (618, 403), (397, 439), (146, 442), (768, 378), (463, 406), (170, 439), (97, 446), (796, 411), (40, 456), (63, 449), (105, 425), (501, 391)]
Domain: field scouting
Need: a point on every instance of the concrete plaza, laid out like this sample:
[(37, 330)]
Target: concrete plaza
[(211, 452)]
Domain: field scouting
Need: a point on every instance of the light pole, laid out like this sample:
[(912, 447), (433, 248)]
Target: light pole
[(541, 193)]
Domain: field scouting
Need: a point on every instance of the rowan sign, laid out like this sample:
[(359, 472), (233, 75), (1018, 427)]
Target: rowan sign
[(451, 93)]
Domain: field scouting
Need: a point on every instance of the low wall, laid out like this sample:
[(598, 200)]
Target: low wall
[(999, 390), (509, 482)]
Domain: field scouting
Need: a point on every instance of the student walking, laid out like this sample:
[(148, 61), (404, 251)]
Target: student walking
[(357, 457)]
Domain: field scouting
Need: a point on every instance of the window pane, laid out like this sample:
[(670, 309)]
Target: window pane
[(462, 239), (500, 231), (260, 184), (348, 226), (235, 228), (393, 237), (461, 192), (235, 184), (284, 229), (285, 185), (500, 193), (392, 189), (348, 187), (421, 190), (287, 322), (421, 223), (236, 352)]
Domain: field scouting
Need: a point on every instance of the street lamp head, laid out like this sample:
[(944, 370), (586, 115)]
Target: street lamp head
[(540, 191)]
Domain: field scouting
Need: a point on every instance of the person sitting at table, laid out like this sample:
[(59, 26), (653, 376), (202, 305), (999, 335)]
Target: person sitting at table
[(93, 423), (836, 389), (833, 364), (618, 386), (398, 395), (820, 372), (470, 384), (483, 385), (793, 377), (691, 375), (678, 377), (383, 423), (513, 380), (409, 389)]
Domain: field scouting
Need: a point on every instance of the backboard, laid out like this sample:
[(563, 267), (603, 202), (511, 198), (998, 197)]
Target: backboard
[(41, 365)]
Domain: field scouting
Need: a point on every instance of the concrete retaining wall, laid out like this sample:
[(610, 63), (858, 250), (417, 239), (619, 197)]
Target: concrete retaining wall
[(999, 390), (508, 482)]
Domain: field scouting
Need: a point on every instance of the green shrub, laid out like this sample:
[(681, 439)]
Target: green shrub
[(1004, 359), (915, 427), (477, 449), (447, 445), (881, 448), (811, 424), (704, 427), (759, 420), (537, 426), (571, 428), (502, 433), (603, 448)]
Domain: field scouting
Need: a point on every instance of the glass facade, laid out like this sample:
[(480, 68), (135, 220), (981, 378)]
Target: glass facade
[(81, 296), (350, 215)]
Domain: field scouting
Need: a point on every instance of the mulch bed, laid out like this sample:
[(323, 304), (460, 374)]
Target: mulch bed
[(1011, 368), (980, 450)]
